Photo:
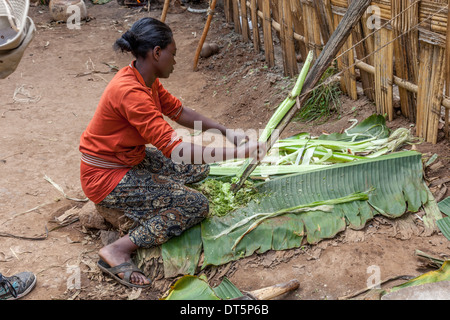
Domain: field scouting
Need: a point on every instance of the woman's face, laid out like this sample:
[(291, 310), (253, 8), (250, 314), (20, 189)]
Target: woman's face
[(166, 60)]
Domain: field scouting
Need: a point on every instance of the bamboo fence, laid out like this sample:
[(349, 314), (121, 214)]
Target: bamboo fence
[(399, 49)]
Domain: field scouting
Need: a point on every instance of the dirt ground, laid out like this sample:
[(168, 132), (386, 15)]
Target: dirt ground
[(47, 103)]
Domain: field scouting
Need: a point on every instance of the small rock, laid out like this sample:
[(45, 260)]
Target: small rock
[(90, 218)]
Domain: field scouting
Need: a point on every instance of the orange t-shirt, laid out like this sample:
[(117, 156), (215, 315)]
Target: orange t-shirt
[(128, 116)]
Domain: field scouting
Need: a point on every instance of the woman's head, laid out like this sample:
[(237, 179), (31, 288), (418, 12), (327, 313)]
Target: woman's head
[(145, 35)]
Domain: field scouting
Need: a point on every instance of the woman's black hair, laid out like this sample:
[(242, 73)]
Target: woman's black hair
[(144, 35)]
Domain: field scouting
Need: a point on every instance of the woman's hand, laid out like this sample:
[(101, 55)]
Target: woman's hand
[(189, 117), (237, 138), (252, 149)]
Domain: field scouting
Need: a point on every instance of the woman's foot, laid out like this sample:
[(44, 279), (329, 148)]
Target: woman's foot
[(119, 252)]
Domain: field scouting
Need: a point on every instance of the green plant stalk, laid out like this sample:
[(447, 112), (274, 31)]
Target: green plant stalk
[(265, 170), (322, 153), (283, 108), (289, 102)]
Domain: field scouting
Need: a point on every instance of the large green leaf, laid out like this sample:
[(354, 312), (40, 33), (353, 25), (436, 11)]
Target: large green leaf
[(444, 223), (197, 288), (181, 254), (444, 206), (191, 288), (442, 274), (227, 290), (397, 185), (372, 127)]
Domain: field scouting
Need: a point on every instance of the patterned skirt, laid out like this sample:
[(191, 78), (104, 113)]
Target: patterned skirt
[(154, 194)]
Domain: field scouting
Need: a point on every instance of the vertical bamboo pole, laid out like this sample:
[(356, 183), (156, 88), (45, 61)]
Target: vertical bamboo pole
[(384, 72), (363, 52), (406, 51), (268, 39), (299, 26), (346, 63), (228, 9), (212, 6), (447, 77), (287, 38), (237, 23), (429, 97), (254, 17), (244, 21), (368, 80), (438, 78), (282, 33), (165, 9), (324, 14), (312, 28)]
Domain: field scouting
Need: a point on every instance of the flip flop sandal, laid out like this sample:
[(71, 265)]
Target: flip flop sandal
[(127, 268)]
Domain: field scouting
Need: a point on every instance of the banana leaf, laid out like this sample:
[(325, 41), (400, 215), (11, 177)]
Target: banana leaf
[(227, 290), (181, 254), (397, 184), (444, 223), (444, 206), (191, 288), (442, 274), (372, 127), (197, 288), (396, 180)]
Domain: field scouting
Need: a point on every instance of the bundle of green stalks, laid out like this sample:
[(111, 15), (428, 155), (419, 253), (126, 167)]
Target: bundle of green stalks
[(324, 101)]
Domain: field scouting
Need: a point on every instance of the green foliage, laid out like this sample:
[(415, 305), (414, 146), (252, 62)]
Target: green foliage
[(222, 200), (323, 102), (197, 288)]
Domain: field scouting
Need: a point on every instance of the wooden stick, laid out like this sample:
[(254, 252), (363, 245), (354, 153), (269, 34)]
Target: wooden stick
[(205, 33), (275, 291), (346, 63), (292, 56), (312, 28), (237, 23), (362, 51), (384, 73), (324, 14), (244, 21), (406, 49), (447, 76), (287, 27), (352, 16), (359, 292), (254, 16), (430, 87), (397, 80), (299, 28), (277, 27), (228, 9), (268, 40), (165, 9), (447, 119)]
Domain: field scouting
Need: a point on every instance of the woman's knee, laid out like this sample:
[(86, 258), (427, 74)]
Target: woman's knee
[(204, 205)]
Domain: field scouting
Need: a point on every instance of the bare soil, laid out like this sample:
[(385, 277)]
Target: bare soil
[(47, 103)]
